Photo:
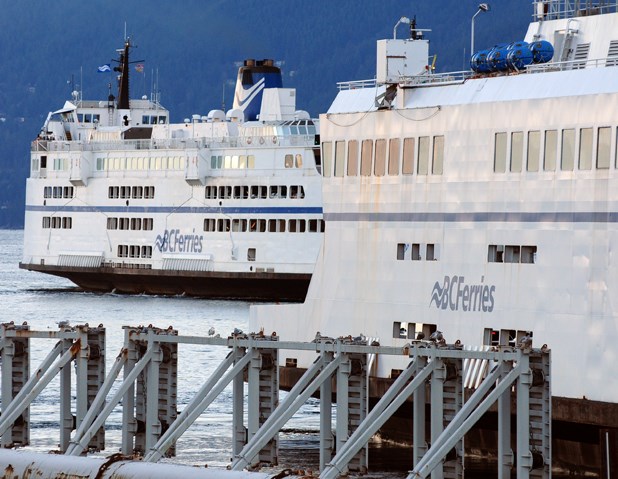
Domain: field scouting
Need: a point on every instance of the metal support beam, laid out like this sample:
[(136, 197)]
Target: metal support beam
[(419, 443), (198, 405), (326, 418), (524, 455), (66, 416), (505, 453), (22, 404), (286, 410), (461, 425), (86, 431), (386, 407), (239, 432)]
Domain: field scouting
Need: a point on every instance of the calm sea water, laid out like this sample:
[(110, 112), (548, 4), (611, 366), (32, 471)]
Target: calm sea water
[(44, 300)]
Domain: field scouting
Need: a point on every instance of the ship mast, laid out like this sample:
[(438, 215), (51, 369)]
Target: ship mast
[(123, 82)]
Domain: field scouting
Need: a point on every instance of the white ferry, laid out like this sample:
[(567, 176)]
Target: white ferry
[(221, 205), (484, 206)]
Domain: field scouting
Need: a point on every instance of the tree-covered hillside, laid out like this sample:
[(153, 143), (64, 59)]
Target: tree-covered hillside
[(193, 46)]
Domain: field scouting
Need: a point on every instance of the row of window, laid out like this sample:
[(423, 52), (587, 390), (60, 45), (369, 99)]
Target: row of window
[(254, 192), (134, 251), (58, 192), (153, 119), (495, 253), (88, 117), (58, 222), (258, 225), (417, 251), (569, 148), (384, 157), (413, 330), (130, 224), (232, 162), (134, 192), (141, 163), (511, 254), (504, 337)]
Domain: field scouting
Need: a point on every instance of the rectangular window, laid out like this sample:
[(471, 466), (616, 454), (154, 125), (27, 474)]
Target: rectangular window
[(528, 254), (380, 163), (209, 224), (239, 225), (292, 226), (416, 252), (401, 250), (289, 161), (147, 224), (113, 192), (137, 192), (146, 251), (251, 254), (67, 222), (423, 155), (339, 158), (134, 251), (149, 192), (437, 166), (408, 156), (327, 155), (517, 151), (47, 192), (366, 157), (123, 223), (313, 226), (603, 147), (46, 222), (353, 158), (393, 157), (272, 226), (551, 145), (567, 157), (534, 150), (112, 223), (223, 225), (136, 223), (298, 160), (431, 253), (585, 149), (500, 153), (210, 192), (495, 253), (125, 192), (511, 254)]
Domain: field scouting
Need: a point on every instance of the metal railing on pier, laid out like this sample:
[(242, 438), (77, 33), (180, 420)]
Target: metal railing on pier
[(435, 375)]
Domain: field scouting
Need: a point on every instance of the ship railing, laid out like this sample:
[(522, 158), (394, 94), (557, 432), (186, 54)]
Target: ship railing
[(356, 84), (174, 143), (561, 9), (413, 80), (435, 78), (573, 65)]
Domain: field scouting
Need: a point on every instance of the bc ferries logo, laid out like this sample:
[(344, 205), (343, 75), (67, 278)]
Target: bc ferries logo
[(172, 241), (455, 294)]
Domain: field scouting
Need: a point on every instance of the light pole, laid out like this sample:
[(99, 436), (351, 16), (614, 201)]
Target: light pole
[(483, 7)]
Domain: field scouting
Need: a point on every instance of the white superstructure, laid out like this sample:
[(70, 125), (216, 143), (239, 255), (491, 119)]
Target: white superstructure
[(224, 204), (484, 206)]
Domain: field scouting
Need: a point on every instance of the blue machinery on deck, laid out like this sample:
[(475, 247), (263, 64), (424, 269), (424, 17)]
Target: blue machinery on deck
[(151, 425)]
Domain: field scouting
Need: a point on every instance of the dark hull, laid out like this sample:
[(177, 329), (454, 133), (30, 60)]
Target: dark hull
[(583, 431), (209, 284)]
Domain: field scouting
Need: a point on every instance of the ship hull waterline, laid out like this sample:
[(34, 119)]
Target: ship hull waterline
[(260, 286)]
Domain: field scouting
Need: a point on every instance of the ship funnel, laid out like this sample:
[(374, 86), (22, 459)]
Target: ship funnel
[(253, 77)]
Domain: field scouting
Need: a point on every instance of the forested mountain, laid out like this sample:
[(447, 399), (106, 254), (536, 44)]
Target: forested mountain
[(193, 47)]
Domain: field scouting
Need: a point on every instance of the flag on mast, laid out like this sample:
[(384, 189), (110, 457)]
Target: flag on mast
[(104, 68)]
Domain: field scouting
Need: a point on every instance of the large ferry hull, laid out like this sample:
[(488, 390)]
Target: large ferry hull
[(208, 284)]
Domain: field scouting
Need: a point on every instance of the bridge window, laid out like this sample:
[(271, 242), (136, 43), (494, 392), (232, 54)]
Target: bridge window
[(366, 157), (437, 166), (380, 163), (567, 159), (393, 157), (339, 158), (585, 149), (551, 146), (327, 156)]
